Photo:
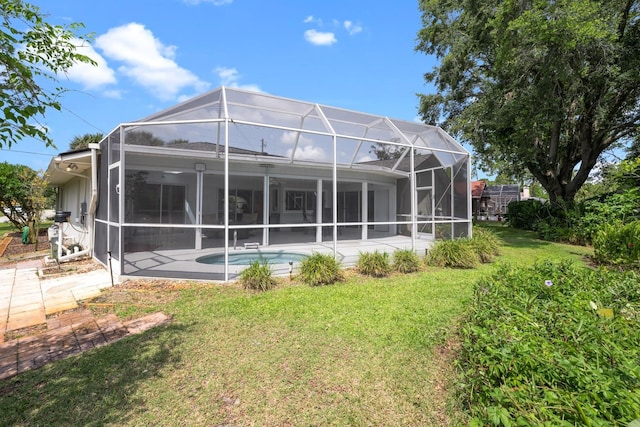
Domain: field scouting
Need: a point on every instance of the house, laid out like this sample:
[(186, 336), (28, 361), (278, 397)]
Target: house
[(493, 200), (478, 202), (231, 169)]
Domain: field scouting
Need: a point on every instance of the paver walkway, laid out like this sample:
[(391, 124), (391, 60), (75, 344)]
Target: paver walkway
[(69, 334), (26, 300)]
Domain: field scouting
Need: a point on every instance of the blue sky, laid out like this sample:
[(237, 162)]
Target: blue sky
[(153, 54)]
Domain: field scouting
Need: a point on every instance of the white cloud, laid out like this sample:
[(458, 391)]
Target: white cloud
[(229, 77), (308, 19), (291, 137), (213, 2), (352, 28), (319, 38), (305, 149), (308, 152), (113, 93), (147, 61), (88, 75)]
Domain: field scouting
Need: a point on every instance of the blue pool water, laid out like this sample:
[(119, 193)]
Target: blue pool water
[(246, 258)]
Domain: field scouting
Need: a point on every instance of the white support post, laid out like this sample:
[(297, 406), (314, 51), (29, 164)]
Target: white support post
[(365, 210), (199, 190), (265, 208), (319, 210), (226, 193), (412, 179), (453, 229), (335, 196)]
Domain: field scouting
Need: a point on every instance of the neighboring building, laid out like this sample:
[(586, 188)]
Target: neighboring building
[(231, 167), (479, 205), (493, 200)]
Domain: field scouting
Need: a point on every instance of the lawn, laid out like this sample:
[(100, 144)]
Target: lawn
[(363, 352), (6, 227)]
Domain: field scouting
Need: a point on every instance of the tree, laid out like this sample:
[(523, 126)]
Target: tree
[(540, 86), (633, 151), (387, 151), (83, 141), (143, 137), (23, 197), (32, 52)]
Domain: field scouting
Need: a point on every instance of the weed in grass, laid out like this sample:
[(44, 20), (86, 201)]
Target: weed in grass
[(258, 276), (453, 253), (406, 261), (375, 264), (320, 269)]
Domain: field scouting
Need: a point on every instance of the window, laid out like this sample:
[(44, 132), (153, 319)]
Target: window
[(300, 200), (158, 203)]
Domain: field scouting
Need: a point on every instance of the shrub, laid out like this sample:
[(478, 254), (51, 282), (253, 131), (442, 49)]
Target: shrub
[(595, 213), (258, 276), (524, 214), (406, 261), (485, 244), (618, 244), (320, 269), (537, 348), (452, 253), (376, 264)]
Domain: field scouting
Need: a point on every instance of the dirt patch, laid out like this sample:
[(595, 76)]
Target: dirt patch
[(76, 266), (17, 251), (136, 297)]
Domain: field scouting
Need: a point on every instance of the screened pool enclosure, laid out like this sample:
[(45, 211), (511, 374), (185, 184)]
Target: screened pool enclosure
[(232, 169)]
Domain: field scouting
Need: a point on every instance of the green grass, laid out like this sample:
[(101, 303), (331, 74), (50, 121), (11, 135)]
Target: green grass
[(361, 352), (6, 227), (522, 247)]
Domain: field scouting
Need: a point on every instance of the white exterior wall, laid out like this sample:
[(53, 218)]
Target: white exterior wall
[(74, 196)]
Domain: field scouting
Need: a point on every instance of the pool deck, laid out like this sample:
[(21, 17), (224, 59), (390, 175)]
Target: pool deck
[(169, 263)]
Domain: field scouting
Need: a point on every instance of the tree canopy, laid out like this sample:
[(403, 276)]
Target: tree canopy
[(544, 86), (81, 142), (32, 52), (24, 195)]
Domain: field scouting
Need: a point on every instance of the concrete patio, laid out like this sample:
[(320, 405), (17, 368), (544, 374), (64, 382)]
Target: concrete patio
[(26, 298)]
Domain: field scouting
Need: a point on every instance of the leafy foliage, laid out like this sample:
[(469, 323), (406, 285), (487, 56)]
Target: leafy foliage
[(579, 223), (320, 269), (526, 213), (83, 141), (258, 276), (595, 213), (618, 244), (538, 86), (32, 50), (383, 151), (538, 348), (452, 253), (406, 261), (23, 196), (376, 264)]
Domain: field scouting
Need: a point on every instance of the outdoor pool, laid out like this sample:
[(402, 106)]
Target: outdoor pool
[(246, 258)]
